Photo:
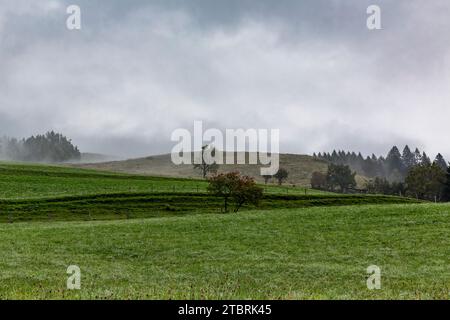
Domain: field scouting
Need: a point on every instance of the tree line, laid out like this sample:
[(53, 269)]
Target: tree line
[(427, 181), (48, 147), (394, 167), (407, 174)]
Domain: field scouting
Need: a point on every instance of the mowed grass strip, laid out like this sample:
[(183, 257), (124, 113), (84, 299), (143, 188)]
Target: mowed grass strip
[(146, 205), (309, 253)]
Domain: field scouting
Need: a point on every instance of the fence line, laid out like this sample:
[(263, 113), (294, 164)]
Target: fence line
[(202, 189)]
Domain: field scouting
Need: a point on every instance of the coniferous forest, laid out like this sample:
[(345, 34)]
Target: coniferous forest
[(49, 147), (407, 173), (394, 167)]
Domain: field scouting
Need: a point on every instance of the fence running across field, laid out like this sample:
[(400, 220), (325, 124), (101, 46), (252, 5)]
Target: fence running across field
[(203, 188)]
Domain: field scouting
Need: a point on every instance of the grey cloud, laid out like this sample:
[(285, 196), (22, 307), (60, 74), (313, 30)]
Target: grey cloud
[(140, 69)]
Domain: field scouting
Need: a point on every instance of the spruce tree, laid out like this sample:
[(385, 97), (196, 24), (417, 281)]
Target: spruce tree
[(334, 157), (440, 161), (425, 159), (394, 161), (408, 158), (446, 186), (369, 167)]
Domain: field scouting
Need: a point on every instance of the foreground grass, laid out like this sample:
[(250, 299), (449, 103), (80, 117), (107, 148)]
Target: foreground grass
[(310, 253)]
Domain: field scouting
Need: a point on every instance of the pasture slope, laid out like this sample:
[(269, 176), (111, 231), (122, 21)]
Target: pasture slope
[(50, 193), (294, 246), (300, 167)]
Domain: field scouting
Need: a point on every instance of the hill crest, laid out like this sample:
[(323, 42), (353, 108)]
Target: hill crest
[(300, 167)]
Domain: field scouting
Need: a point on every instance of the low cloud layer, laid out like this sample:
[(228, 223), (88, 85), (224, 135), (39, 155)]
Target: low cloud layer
[(140, 69)]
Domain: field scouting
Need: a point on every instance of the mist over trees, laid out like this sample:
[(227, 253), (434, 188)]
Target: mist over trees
[(394, 167), (49, 147), (403, 173)]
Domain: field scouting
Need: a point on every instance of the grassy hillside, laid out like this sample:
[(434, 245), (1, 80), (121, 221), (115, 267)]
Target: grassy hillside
[(51, 193), (300, 167), (310, 253), (87, 157), (23, 181), (298, 243)]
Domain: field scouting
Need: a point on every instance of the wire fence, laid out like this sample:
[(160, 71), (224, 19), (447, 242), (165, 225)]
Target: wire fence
[(179, 188)]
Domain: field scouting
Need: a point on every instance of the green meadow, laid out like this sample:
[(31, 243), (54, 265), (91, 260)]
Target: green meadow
[(25, 181), (139, 237)]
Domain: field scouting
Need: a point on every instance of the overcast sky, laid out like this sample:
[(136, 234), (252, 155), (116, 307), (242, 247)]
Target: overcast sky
[(140, 69)]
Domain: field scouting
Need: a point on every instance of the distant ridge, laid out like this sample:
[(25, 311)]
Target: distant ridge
[(87, 157), (300, 167)]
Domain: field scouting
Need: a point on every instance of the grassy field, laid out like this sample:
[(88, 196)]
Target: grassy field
[(310, 253), (152, 237), (51, 193), (25, 181), (147, 205)]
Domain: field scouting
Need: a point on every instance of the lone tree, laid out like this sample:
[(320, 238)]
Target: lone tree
[(246, 191), (206, 167), (340, 176), (267, 178), (281, 175), (318, 180), (241, 189)]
